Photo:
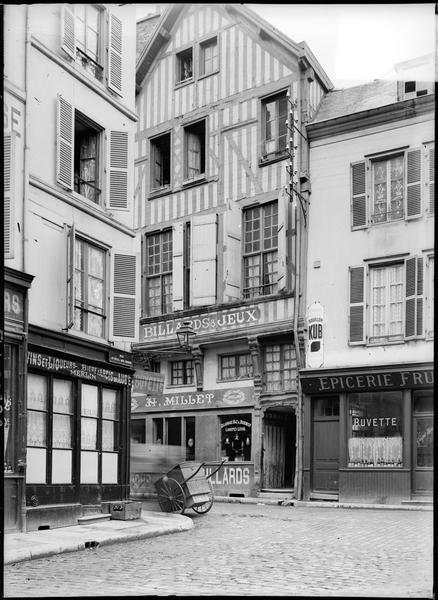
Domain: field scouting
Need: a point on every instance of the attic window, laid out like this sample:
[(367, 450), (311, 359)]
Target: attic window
[(409, 87), (184, 65)]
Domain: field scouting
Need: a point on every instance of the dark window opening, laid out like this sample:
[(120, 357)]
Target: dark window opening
[(138, 431), (409, 87), (160, 154), (194, 150), (86, 158), (274, 111), (184, 65)]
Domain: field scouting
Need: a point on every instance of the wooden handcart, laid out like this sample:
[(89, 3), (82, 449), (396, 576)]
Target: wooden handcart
[(186, 486)]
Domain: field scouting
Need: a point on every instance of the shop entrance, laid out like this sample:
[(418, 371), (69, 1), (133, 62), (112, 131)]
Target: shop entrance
[(422, 429), (279, 437), (325, 442)]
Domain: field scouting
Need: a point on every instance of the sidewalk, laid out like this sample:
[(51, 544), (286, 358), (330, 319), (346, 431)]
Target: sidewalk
[(38, 544)]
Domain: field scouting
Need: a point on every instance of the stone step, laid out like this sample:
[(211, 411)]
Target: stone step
[(97, 518)]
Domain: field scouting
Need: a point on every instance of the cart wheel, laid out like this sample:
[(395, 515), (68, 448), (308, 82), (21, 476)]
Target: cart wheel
[(202, 509), (170, 496)]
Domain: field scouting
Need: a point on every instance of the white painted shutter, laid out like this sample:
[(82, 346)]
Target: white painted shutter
[(283, 213), (232, 252), (68, 30), (429, 172), (414, 297), (115, 55), (357, 305), (413, 184), (178, 266), (358, 195), (64, 143), (71, 292), (8, 194), (203, 259), (118, 169), (124, 321)]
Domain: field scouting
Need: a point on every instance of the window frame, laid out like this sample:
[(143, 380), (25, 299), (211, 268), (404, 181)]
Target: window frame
[(430, 296), (179, 56), (387, 158), (201, 136), (238, 367), (277, 154), (154, 149), (188, 372), (161, 275), (283, 346), (386, 339), (82, 56), (213, 40), (81, 120)]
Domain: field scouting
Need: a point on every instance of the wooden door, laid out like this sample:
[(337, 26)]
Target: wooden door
[(325, 443), (422, 430), (273, 456)]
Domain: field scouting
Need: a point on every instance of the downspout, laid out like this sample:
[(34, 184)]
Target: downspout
[(24, 232), (299, 469)]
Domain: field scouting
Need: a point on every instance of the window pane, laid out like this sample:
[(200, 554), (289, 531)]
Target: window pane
[(62, 396), (236, 437), (89, 400), (36, 392), (62, 431), (375, 425), (228, 367), (110, 404), (96, 262), (424, 441), (245, 365), (36, 428), (109, 430), (88, 434), (173, 425), (95, 325)]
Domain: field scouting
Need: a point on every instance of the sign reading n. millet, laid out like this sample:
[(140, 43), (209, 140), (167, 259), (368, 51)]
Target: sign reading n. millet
[(395, 380)]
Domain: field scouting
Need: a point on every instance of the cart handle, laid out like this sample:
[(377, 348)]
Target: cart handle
[(200, 467), (216, 470)]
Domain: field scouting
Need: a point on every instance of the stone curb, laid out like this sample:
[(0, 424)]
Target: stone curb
[(314, 504)]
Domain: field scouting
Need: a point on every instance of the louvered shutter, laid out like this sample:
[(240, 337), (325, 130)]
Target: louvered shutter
[(68, 30), (178, 266), (65, 143), (414, 297), (358, 195), (283, 210), (430, 177), (413, 183), (71, 292), (115, 55), (232, 252), (118, 170), (357, 305), (124, 300), (8, 194), (203, 260)]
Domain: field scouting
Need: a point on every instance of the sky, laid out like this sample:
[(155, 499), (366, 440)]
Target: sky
[(354, 43)]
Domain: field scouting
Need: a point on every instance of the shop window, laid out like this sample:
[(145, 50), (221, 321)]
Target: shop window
[(37, 422), (236, 437), (423, 428), (208, 57), (10, 371), (181, 372), (375, 424), (158, 271), (90, 288), (160, 161), (326, 407), (274, 119), (280, 367), (62, 431), (138, 431), (176, 431), (260, 259), (194, 140), (86, 158), (235, 366), (184, 65)]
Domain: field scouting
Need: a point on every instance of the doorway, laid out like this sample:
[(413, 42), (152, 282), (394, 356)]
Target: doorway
[(422, 429), (325, 444), (279, 441)]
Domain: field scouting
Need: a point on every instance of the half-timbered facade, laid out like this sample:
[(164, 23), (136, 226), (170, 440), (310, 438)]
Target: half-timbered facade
[(220, 96)]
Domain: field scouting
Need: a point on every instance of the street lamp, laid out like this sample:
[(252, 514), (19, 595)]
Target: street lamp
[(185, 333)]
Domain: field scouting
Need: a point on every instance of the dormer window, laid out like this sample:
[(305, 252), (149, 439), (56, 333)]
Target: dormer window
[(184, 65)]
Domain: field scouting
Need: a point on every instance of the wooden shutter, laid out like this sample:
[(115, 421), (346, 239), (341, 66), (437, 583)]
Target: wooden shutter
[(68, 30), (71, 292), (8, 194), (178, 266), (203, 260), (414, 297), (115, 55), (118, 170), (283, 210), (232, 252), (429, 172), (124, 296), (413, 183), (358, 195), (64, 143), (357, 305)]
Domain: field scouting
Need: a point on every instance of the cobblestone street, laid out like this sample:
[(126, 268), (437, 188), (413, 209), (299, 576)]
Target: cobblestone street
[(245, 550)]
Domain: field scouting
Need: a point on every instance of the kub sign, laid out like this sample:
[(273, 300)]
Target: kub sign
[(315, 342)]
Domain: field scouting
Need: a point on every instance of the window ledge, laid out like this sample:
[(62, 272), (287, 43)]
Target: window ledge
[(180, 84), (185, 386), (157, 193), (234, 380), (195, 181), (268, 159), (386, 342), (208, 74)]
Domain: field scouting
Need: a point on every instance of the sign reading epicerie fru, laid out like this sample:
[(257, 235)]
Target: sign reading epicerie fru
[(216, 321)]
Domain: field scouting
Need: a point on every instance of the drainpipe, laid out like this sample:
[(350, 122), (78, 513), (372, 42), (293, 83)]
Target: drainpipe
[(24, 232), (299, 469)]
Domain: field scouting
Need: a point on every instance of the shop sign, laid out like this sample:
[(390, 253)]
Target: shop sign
[(148, 382), (120, 358), (396, 380), (62, 366), (14, 308), (315, 342), (231, 398), (231, 475), (217, 321)]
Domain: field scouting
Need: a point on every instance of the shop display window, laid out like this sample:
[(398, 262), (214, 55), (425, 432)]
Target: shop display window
[(423, 430), (375, 437), (236, 437)]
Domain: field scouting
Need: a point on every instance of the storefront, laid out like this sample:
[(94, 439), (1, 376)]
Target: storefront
[(368, 433), (16, 285), (78, 410)]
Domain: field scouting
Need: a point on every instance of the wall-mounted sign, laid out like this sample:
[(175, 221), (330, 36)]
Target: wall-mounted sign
[(231, 476), (147, 382), (13, 309), (120, 358), (315, 341), (236, 397), (357, 382), (72, 368)]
